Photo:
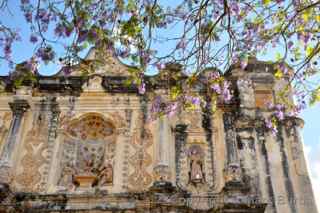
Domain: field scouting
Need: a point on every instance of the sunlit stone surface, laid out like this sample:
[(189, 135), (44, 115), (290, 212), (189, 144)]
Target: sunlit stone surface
[(87, 144)]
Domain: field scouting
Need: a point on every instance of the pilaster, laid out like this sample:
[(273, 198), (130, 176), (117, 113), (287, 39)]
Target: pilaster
[(18, 107)]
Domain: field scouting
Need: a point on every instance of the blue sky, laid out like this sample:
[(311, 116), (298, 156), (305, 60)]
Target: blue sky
[(311, 132)]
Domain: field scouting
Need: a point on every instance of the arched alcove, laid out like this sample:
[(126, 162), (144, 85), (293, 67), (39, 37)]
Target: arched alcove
[(87, 154)]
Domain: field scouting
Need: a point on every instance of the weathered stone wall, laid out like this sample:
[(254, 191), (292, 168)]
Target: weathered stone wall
[(89, 145)]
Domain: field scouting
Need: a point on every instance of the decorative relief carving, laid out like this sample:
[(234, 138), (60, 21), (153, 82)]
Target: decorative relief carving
[(35, 144), (6, 175), (141, 159), (162, 173), (88, 153), (94, 84), (246, 93), (110, 66), (126, 133), (194, 121), (4, 127)]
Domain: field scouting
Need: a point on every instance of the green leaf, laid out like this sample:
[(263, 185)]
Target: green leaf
[(309, 50), (278, 56), (315, 96), (306, 15), (131, 5), (266, 2), (278, 74), (175, 92)]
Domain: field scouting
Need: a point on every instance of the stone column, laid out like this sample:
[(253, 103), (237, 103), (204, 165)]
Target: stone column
[(303, 194), (162, 169), (18, 108), (180, 141), (233, 170)]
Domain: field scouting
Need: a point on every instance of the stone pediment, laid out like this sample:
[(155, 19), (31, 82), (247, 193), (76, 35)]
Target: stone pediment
[(104, 63)]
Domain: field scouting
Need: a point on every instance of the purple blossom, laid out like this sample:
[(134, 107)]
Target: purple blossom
[(172, 109), (82, 35), (32, 65), (235, 7), (271, 126), (279, 114), (45, 53), (42, 13), (142, 88), (269, 105), (79, 23), (279, 107), (33, 38), (66, 70), (268, 123), (156, 103), (284, 68), (28, 16), (160, 66), (193, 100), (214, 75), (7, 50), (290, 44), (216, 88), (306, 37), (226, 94), (243, 64), (59, 30), (145, 56)]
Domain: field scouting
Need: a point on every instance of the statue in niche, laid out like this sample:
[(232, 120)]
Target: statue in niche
[(67, 178), (196, 174), (105, 175)]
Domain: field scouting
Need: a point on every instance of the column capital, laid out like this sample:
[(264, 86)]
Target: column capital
[(19, 106), (181, 128)]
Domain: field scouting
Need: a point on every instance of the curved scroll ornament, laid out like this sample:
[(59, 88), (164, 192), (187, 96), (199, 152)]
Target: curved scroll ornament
[(35, 145), (140, 178), (89, 148)]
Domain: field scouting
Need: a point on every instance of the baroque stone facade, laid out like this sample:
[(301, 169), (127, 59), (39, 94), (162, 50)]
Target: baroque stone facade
[(87, 144)]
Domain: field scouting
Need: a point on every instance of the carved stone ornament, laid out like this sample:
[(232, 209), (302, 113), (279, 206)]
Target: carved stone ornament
[(88, 153), (4, 127), (6, 175), (103, 63), (233, 174), (19, 106), (140, 178), (35, 144), (94, 84), (162, 173)]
